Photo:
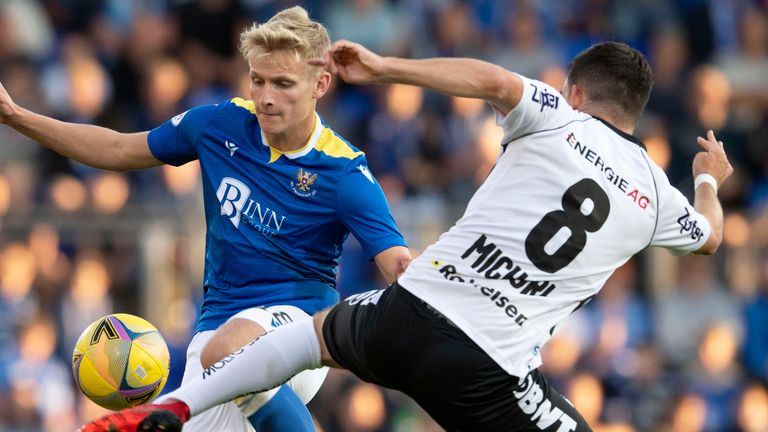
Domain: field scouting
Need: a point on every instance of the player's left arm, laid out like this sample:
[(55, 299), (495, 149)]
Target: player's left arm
[(364, 210), (712, 162), (684, 228)]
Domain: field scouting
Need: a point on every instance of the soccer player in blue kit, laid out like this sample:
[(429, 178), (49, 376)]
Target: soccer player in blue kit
[(282, 191)]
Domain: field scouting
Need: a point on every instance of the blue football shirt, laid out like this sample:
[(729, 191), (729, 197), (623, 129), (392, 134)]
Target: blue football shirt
[(276, 221)]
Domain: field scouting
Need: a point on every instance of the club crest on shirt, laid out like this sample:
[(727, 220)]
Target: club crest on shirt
[(303, 184)]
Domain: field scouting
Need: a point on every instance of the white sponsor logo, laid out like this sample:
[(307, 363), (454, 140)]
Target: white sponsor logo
[(176, 120), (232, 147), (366, 298), (531, 401), (363, 169), (232, 194)]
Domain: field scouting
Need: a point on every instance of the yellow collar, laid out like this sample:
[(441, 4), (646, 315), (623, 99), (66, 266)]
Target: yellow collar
[(293, 154)]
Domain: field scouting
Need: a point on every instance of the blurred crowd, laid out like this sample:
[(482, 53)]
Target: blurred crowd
[(668, 345)]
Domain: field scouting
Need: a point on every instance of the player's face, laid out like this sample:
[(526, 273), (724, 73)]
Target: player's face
[(284, 90)]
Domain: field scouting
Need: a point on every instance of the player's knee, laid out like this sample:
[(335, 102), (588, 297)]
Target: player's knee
[(325, 356), (231, 336), (212, 352)]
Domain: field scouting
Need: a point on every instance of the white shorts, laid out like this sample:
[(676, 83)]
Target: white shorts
[(233, 416)]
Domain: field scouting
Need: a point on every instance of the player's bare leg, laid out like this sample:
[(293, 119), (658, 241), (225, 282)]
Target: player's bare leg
[(232, 335), (318, 320), (285, 406)]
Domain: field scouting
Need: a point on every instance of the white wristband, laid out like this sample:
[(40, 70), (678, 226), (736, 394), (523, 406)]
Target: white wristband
[(704, 178)]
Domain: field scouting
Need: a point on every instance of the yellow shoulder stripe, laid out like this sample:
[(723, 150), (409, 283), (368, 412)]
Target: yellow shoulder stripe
[(242, 103), (334, 146)]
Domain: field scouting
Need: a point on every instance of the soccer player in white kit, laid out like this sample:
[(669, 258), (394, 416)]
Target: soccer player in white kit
[(572, 197)]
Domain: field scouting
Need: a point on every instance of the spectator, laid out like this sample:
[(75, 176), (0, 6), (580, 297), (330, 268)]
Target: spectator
[(698, 290), (755, 350), (753, 408), (42, 394), (715, 378)]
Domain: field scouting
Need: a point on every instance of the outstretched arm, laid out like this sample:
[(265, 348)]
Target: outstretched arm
[(711, 162), (453, 76), (92, 145)]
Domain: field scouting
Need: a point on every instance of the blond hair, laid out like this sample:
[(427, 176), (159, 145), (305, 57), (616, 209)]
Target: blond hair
[(290, 30)]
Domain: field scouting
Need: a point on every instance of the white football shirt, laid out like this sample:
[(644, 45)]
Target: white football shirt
[(571, 199)]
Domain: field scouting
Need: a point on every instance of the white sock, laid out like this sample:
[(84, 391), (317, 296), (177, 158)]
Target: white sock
[(264, 363)]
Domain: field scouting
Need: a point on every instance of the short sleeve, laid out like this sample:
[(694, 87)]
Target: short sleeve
[(680, 228), (174, 141), (363, 209), (540, 108)]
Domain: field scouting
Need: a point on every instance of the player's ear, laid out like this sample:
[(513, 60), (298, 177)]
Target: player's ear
[(574, 95), (322, 84)]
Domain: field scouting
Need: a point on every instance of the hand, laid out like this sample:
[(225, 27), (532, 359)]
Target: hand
[(7, 106), (712, 160), (353, 62)]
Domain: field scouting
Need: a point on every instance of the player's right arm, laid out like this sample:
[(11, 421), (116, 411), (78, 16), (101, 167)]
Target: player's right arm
[(363, 209), (712, 161), (462, 77), (92, 145)]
